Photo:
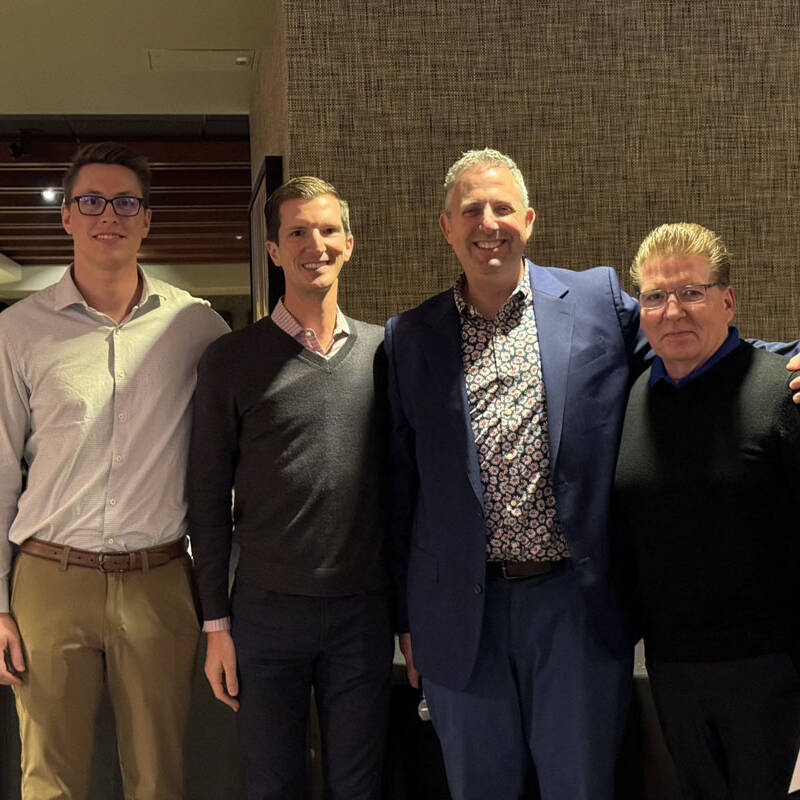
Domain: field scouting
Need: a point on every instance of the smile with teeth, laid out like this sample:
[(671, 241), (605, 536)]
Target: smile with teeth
[(490, 245), (316, 265), (108, 236)]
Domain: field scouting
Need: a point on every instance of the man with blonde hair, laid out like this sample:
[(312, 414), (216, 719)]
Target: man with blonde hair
[(708, 465)]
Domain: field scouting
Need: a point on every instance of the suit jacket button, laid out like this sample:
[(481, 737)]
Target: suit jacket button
[(477, 588)]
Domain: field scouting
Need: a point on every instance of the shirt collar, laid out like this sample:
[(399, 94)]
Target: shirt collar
[(658, 371), (522, 291), (283, 318), (67, 293)]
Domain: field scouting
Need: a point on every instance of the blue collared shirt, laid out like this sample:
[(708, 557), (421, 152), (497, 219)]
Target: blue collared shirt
[(658, 371)]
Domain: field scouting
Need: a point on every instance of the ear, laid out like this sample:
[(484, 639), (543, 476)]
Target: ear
[(273, 250), (530, 216), (729, 299), (148, 215), (348, 250), (66, 216), (444, 224)]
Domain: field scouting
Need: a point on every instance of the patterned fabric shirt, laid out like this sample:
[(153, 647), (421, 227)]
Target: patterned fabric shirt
[(506, 396)]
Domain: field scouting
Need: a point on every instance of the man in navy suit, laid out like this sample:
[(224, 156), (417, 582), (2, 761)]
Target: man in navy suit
[(508, 394)]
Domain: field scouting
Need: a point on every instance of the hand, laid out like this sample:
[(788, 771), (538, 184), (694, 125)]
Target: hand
[(405, 649), (10, 643), (794, 364), (221, 668)]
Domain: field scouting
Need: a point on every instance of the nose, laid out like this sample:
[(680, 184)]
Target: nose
[(673, 309), (318, 241), (488, 218), (108, 213)]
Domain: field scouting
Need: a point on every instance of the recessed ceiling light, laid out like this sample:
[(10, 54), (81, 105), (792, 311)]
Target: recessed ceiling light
[(238, 237), (49, 194)]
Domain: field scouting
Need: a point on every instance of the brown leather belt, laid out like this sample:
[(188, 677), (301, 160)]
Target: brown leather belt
[(519, 570), (105, 562)]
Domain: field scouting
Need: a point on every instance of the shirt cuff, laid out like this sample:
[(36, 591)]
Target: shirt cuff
[(213, 625)]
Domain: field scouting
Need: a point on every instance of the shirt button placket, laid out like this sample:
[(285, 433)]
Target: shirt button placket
[(113, 507)]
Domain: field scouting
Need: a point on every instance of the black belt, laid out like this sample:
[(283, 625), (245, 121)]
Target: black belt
[(519, 570)]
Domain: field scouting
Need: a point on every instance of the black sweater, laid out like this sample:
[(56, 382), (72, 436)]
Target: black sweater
[(301, 439), (707, 484)]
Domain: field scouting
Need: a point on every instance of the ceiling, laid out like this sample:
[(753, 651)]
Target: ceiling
[(171, 81), (101, 57)]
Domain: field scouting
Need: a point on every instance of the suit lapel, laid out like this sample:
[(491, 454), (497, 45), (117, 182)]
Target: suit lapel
[(555, 315), (443, 354)]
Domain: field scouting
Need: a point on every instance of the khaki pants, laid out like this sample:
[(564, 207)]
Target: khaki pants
[(136, 631)]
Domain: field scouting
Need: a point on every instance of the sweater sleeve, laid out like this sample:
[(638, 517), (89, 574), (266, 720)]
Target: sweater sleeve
[(212, 461), (789, 433)]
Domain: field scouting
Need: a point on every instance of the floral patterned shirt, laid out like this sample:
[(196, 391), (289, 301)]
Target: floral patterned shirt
[(506, 396)]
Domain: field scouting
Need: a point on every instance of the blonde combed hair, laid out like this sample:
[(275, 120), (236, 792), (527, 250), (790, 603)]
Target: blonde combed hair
[(683, 239)]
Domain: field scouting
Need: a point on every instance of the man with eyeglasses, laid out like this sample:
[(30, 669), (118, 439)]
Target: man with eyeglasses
[(97, 374), (708, 468)]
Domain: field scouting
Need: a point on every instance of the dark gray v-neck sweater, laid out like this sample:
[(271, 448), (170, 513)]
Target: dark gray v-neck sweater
[(708, 482), (301, 438)]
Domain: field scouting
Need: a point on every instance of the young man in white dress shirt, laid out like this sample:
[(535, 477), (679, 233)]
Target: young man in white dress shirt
[(97, 374)]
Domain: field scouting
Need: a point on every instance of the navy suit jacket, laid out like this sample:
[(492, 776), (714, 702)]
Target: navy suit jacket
[(591, 348)]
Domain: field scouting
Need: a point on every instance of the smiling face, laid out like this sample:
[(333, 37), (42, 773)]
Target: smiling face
[(107, 242), (685, 336), (312, 246), (487, 225)]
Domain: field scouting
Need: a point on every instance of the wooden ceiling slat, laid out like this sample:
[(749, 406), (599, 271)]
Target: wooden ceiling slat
[(158, 151), (207, 177), (173, 216)]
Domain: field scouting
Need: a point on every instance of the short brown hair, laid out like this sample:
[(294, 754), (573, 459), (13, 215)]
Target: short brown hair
[(305, 187), (683, 239), (108, 153)]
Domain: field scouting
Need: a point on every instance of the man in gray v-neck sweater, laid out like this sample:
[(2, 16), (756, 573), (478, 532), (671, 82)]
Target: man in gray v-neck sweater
[(289, 413)]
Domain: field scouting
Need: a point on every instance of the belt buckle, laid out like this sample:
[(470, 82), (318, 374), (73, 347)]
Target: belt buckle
[(506, 576), (101, 561)]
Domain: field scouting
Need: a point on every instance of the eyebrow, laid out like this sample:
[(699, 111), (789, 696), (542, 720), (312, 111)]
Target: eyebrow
[(305, 225), (98, 193)]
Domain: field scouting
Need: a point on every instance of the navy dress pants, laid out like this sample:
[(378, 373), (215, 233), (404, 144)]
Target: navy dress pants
[(340, 646), (545, 692)]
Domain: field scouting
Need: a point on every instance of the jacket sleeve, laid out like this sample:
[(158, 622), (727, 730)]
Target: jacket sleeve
[(404, 481)]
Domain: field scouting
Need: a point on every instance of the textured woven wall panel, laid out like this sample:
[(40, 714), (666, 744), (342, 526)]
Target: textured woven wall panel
[(621, 116)]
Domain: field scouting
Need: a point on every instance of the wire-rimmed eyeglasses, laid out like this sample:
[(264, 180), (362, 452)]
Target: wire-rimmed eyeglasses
[(685, 295)]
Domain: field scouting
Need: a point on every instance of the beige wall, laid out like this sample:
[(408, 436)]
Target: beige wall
[(269, 132), (622, 116)]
